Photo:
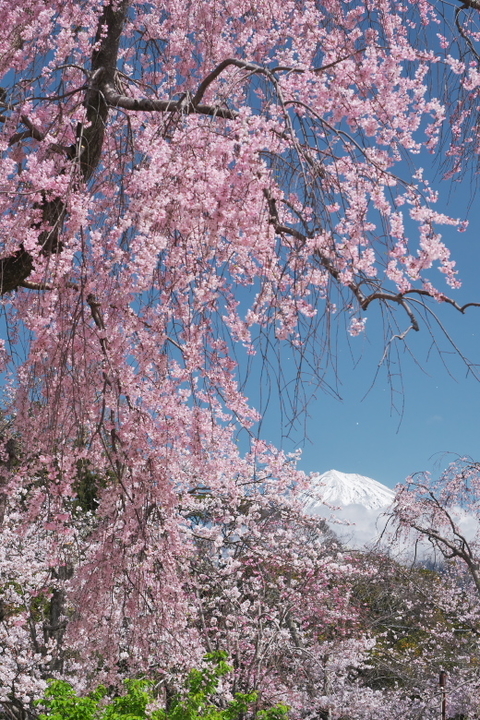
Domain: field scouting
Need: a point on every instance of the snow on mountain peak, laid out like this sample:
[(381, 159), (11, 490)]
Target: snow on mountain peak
[(337, 488), (361, 505)]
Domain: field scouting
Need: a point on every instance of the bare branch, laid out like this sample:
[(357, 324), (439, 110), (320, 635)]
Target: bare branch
[(444, 298), (96, 312), (35, 286), (189, 107), (251, 67), (401, 336)]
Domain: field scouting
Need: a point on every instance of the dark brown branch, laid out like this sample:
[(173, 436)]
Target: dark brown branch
[(46, 286), (35, 286), (446, 299), (251, 67), (19, 136), (322, 258), (97, 316), (35, 132), (451, 549), (363, 300), (258, 69), (53, 216), (31, 132), (189, 107), (96, 312), (463, 33), (14, 270), (400, 298), (473, 4)]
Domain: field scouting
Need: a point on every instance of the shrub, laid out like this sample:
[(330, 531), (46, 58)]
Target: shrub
[(199, 699)]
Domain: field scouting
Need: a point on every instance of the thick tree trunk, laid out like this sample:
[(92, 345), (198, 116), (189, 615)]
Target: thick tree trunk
[(15, 269)]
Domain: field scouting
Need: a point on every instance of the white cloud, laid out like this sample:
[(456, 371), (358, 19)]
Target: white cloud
[(357, 526)]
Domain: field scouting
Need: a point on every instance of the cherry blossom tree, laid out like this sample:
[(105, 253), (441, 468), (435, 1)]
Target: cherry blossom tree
[(443, 514), (260, 579), (424, 621), (184, 185)]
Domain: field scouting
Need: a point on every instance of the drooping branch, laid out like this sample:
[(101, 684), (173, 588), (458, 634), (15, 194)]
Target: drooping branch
[(452, 549), (355, 287), (14, 270), (101, 96), (463, 32), (442, 298)]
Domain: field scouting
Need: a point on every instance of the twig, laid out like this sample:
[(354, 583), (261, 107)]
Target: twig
[(402, 336)]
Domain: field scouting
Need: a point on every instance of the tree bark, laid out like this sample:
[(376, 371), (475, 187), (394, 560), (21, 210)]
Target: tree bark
[(15, 269)]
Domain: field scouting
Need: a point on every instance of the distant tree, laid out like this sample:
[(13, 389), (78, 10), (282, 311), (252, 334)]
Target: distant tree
[(182, 186), (443, 513), (422, 625)]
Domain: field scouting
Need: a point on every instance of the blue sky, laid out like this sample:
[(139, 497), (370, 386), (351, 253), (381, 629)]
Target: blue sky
[(389, 431), (430, 413)]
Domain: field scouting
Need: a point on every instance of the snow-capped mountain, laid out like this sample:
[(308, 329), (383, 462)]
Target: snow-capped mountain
[(356, 508), (337, 488), (359, 503)]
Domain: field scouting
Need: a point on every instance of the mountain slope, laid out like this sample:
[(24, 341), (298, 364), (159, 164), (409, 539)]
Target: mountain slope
[(337, 488), (355, 505)]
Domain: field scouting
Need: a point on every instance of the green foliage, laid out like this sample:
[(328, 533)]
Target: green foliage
[(62, 703), (14, 601), (196, 701), (88, 485)]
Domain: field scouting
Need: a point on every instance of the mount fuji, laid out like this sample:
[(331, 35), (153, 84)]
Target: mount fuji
[(337, 488), (353, 505)]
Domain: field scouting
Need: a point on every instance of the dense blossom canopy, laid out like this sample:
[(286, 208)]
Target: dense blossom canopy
[(178, 180)]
